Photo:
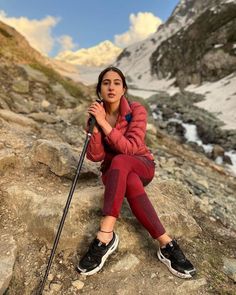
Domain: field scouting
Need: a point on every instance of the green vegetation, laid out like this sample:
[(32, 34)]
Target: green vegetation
[(53, 76)]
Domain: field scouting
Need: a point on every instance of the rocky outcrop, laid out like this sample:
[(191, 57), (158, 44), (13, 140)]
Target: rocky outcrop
[(62, 159), (204, 51)]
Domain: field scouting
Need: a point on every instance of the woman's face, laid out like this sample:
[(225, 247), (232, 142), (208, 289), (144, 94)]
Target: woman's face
[(112, 87)]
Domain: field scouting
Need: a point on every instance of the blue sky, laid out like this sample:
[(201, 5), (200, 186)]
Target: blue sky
[(86, 22)]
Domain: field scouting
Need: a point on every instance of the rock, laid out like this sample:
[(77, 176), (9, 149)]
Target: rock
[(20, 86), (175, 128), (217, 151), (42, 212), (129, 261), (196, 147), (204, 183), (18, 119), (7, 159), (35, 75), (50, 277), (197, 187), (78, 284), (229, 268), (7, 259), (3, 102), (171, 199), (45, 103), (63, 98), (191, 287), (55, 287), (227, 160), (61, 159), (153, 275), (44, 118), (19, 104)]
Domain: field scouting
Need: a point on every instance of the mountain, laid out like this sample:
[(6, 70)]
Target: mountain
[(196, 44), (194, 53), (102, 54)]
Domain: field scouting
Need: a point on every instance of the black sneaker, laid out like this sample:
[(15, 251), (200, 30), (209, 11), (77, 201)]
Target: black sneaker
[(96, 256), (173, 257)]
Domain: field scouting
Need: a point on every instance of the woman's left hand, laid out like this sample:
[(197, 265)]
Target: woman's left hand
[(97, 110)]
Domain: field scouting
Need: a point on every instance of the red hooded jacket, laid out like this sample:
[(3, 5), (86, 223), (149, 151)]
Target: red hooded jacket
[(125, 138)]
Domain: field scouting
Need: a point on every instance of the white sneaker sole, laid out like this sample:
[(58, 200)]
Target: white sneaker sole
[(186, 275), (104, 258)]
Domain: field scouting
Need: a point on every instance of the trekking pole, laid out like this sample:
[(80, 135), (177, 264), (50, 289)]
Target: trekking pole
[(92, 122)]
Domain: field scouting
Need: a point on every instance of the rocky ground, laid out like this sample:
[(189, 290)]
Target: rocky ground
[(195, 199)]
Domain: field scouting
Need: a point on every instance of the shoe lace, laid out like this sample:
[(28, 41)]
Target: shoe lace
[(178, 253)]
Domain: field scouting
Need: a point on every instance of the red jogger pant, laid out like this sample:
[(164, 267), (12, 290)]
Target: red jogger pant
[(127, 176)]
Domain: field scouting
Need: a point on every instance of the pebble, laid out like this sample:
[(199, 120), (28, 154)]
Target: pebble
[(153, 275), (212, 219), (55, 287), (50, 277), (78, 284)]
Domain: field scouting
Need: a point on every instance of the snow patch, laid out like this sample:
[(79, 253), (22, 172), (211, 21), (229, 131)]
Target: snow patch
[(220, 99)]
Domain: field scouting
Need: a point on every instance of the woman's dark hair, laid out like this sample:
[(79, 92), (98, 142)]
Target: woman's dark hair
[(100, 77)]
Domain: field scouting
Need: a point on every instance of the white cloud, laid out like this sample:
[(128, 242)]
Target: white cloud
[(102, 54), (142, 25), (66, 43), (37, 32)]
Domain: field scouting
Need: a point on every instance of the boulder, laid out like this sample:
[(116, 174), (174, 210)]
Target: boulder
[(18, 119), (62, 159), (20, 86), (217, 151), (42, 210), (35, 75), (7, 259)]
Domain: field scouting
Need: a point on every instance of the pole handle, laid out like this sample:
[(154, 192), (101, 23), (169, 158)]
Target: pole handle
[(92, 120)]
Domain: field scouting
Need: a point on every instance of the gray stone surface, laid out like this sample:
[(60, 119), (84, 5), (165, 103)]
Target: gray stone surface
[(230, 268), (7, 259)]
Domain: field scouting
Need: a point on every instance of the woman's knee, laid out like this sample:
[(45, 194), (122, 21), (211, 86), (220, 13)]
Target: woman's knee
[(134, 185), (119, 161)]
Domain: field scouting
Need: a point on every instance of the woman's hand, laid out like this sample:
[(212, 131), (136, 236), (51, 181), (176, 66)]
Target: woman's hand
[(96, 109)]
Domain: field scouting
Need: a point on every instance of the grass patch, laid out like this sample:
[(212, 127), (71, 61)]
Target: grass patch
[(71, 87)]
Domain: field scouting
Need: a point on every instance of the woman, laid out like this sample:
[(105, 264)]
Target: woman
[(127, 166)]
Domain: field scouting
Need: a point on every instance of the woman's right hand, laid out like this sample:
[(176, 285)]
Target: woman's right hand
[(96, 109)]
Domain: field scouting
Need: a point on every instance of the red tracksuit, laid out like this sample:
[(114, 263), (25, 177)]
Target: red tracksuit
[(127, 166)]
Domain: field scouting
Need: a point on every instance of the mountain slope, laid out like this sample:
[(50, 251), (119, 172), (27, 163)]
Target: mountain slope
[(194, 28), (15, 48)]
